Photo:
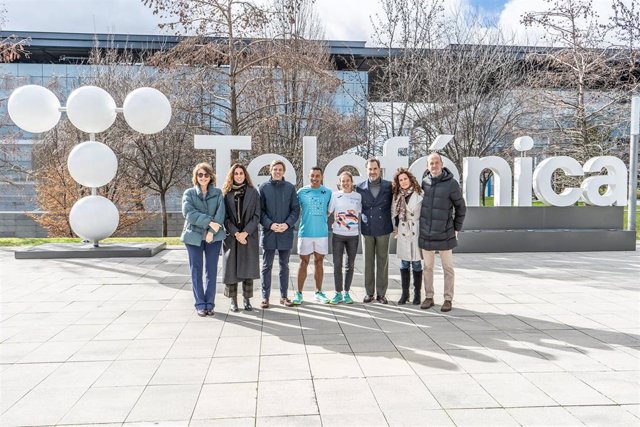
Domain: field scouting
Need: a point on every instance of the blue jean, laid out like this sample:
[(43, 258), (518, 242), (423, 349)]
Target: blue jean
[(204, 296), (265, 275), (415, 265)]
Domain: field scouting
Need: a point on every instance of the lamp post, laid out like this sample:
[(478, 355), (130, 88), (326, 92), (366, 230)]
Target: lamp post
[(633, 162), (91, 163)]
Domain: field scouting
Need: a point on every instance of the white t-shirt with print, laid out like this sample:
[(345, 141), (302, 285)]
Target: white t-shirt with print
[(346, 208)]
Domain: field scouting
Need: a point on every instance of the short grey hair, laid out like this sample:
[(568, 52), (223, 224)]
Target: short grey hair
[(435, 154)]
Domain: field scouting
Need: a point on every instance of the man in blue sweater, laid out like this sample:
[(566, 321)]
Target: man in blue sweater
[(376, 229)]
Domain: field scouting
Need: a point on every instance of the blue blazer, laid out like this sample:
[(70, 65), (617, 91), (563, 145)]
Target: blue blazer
[(376, 211)]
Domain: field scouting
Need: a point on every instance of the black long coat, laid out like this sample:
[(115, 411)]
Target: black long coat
[(241, 262), (442, 213)]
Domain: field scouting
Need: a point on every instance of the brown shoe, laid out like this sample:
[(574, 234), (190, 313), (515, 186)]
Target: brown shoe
[(286, 302), (264, 303), (446, 306), (427, 303), (368, 298), (382, 299)]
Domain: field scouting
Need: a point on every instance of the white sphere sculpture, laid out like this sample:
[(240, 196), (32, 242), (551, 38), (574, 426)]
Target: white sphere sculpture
[(94, 218), (34, 108), (92, 164), (523, 143), (91, 109), (147, 110)]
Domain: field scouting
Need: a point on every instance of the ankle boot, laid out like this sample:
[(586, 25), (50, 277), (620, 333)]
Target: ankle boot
[(247, 304), (404, 282), (417, 286), (234, 304)]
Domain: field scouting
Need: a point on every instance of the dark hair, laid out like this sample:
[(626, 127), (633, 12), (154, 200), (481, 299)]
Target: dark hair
[(228, 182), (316, 168), (396, 181), (374, 159)]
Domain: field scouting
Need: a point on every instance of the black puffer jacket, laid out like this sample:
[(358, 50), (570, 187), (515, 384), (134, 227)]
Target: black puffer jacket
[(438, 221)]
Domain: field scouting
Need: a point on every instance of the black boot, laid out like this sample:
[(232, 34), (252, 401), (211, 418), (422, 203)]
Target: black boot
[(404, 282), (247, 304), (417, 286), (234, 304)]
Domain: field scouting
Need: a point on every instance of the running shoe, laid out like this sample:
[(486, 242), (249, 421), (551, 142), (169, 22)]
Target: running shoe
[(337, 298), (322, 298), (347, 298)]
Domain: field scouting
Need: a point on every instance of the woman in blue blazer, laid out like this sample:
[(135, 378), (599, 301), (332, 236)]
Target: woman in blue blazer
[(202, 234)]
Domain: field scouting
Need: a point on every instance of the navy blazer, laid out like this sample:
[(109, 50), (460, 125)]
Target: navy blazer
[(279, 204), (376, 212)]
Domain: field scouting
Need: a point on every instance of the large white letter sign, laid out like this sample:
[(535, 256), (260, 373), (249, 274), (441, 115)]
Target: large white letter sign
[(522, 172), (615, 180), (473, 166), (309, 157), (391, 160), (542, 181), (222, 145)]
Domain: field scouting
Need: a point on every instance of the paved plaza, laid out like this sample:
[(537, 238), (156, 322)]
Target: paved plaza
[(533, 339)]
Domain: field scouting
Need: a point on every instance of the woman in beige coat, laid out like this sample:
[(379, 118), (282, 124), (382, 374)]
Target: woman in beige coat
[(405, 212)]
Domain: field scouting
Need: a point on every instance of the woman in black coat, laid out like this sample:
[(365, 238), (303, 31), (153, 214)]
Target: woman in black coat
[(241, 246)]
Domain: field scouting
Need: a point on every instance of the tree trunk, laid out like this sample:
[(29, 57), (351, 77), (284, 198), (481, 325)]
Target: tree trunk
[(163, 210)]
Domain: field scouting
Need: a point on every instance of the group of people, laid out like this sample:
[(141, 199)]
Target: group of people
[(422, 217)]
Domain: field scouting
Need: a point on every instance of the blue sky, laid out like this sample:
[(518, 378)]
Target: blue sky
[(491, 6)]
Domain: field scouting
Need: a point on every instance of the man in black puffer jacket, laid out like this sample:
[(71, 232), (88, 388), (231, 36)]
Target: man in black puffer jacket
[(441, 217)]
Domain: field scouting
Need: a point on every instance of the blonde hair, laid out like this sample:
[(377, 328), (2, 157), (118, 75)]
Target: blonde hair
[(207, 168)]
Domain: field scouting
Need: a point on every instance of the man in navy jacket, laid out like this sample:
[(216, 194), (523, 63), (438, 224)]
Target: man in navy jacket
[(280, 211), (376, 229)]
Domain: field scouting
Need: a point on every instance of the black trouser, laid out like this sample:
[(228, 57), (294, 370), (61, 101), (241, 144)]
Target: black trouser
[(340, 244)]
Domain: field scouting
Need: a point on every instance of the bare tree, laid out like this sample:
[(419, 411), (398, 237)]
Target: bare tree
[(11, 47), (268, 77), (583, 79), (444, 76), (225, 52)]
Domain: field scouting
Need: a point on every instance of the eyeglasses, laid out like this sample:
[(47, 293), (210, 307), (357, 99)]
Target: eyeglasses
[(203, 175)]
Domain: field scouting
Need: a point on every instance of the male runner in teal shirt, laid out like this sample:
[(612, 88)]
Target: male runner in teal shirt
[(313, 234)]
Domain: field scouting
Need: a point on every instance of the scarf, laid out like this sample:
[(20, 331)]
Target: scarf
[(401, 202), (238, 195)]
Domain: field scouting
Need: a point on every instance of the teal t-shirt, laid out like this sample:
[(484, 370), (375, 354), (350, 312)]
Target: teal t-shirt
[(314, 206)]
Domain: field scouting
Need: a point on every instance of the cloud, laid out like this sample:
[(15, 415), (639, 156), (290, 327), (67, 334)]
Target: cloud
[(347, 19), (511, 15), (86, 16)]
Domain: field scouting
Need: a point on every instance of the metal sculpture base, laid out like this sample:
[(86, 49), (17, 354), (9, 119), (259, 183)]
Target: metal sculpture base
[(545, 229), (87, 250)]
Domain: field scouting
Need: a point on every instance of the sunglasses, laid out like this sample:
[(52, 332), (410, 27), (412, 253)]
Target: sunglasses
[(203, 175)]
